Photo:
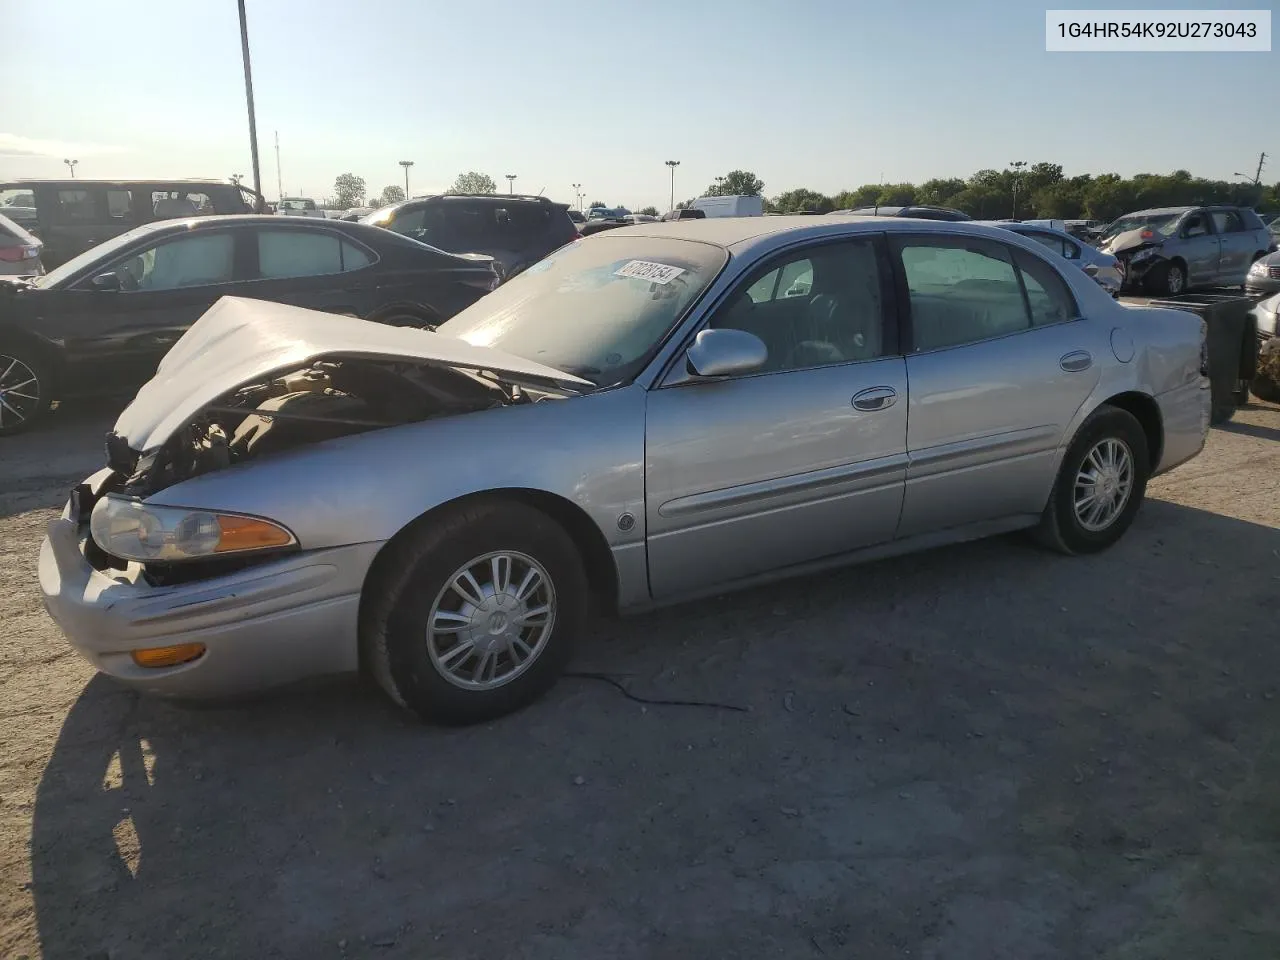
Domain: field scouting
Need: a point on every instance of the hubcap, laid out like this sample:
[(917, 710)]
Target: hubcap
[(491, 621), (1103, 484), (19, 391), (1175, 280)]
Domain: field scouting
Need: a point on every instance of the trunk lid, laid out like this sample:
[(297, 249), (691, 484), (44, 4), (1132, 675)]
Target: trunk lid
[(239, 340)]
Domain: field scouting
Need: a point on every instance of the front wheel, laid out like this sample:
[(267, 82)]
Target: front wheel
[(1100, 484), (26, 385), (1168, 279), (474, 615)]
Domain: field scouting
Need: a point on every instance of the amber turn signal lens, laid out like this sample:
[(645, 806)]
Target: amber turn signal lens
[(168, 656), (246, 533)]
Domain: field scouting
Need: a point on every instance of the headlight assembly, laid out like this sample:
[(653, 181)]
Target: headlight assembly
[(144, 532), (1146, 254)]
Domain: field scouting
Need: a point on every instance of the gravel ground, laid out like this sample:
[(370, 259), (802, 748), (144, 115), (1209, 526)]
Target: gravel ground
[(986, 751)]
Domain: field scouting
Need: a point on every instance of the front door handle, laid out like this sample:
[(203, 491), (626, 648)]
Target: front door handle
[(874, 398), (1076, 361)]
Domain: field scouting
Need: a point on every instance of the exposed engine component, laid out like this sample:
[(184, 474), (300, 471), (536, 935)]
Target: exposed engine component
[(329, 399)]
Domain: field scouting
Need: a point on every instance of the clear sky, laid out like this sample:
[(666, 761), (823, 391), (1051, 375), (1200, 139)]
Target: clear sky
[(825, 94)]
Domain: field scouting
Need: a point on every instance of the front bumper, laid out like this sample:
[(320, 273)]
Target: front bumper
[(275, 623), (1260, 283)]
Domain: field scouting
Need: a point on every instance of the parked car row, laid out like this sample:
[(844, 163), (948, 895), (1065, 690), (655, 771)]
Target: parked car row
[(629, 423), (101, 322), (70, 216)]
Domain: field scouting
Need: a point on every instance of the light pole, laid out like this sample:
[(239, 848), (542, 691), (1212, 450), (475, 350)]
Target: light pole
[(673, 164), (248, 99), (577, 194), (511, 182), (236, 178), (71, 165), (720, 185), (1017, 172), (406, 164)]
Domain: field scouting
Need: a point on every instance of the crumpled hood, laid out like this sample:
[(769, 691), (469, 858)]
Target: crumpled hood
[(238, 341), (1131, 239)]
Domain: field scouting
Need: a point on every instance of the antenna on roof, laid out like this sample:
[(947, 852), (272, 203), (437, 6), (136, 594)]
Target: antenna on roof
[(540, 191)]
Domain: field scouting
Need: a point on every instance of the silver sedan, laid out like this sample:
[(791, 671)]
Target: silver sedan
[(654, 414), (1105, 269)]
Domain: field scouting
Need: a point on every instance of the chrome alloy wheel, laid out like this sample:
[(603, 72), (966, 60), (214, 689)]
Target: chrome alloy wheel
[(19, 391), (1104, 484), (491, 621)]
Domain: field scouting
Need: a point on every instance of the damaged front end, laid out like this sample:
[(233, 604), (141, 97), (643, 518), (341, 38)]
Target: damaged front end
[(324, 400), (253, 380), (1138, 252)]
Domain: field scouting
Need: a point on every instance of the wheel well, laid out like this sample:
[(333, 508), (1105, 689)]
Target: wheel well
[(1147, 412), (597, 558), (1258, 255), (1180, 262), (416, 309), (45, 351)]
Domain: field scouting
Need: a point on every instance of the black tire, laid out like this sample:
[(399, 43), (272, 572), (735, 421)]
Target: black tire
[(400, 599), (1264, 388), (1222, 413), (1060, 528), (19, 413), (1168, 279)]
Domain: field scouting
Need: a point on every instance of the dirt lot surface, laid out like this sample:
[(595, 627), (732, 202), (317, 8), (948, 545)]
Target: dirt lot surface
[(982, 752)]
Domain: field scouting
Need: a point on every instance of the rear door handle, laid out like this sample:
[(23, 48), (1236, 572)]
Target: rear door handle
[(1076, 362), (874, 398)]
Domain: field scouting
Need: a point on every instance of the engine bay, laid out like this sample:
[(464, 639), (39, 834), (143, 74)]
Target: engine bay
[(327, 399)]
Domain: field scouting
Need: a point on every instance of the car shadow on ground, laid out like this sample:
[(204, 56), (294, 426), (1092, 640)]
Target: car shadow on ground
[(984, 751), (1251, 430)]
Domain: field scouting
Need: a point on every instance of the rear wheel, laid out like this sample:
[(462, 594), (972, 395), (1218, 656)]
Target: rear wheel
[(474, 615), (26, 385), (1100, 484)]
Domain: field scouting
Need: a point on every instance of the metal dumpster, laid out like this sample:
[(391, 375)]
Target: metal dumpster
[(1233, 343)]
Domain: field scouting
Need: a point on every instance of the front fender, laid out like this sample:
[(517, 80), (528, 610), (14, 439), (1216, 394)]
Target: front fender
[(588, 450)]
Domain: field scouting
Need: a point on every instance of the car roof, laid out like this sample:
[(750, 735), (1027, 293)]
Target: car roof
[(1156, 211), (740, 234), (80, 182)]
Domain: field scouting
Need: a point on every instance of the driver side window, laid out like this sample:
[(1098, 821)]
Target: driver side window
[(1195, 225), (818, 306), (197, 259)]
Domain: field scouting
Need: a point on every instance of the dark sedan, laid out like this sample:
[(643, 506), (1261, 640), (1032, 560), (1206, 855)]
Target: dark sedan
[(100, 323)]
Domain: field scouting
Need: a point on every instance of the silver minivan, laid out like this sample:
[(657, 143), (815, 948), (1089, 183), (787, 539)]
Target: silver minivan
[(1167, 251)]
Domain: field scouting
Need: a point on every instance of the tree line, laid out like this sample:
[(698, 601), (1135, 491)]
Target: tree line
[(1039, 191)]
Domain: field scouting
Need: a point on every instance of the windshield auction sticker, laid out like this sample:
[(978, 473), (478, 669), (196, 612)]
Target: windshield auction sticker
[(648, 270), (1158, 31)]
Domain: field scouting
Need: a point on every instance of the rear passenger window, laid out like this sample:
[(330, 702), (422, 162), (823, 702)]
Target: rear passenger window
[(1048, 295), (76, 206), (295, 253), (961, 291), (1227, 221), (1046, 239), (119, 205)]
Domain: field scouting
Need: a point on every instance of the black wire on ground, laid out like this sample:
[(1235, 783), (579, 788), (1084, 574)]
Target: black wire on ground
[(614, 682)]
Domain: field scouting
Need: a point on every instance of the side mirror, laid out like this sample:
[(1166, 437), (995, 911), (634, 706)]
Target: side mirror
[(725, 353), (107, 281)]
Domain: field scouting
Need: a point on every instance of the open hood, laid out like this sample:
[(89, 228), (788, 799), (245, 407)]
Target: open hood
[(238, 340), (1131, 239)]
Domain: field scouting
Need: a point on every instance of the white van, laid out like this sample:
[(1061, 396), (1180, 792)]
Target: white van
[(730, 206)]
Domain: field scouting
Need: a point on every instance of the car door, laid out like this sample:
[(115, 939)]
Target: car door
[(998, 363), (314, 268), (802, 459), (116, 337), (1236, 245), (1200, 246)]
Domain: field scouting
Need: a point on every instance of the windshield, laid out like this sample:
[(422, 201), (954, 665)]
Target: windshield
[(103, 251), (1163, 223), (595, 308)]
